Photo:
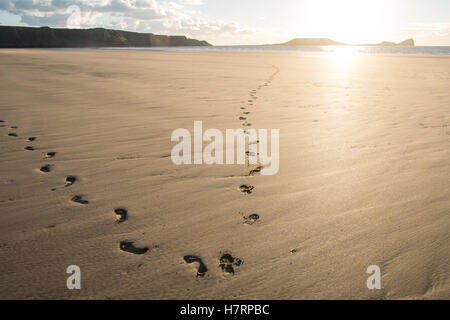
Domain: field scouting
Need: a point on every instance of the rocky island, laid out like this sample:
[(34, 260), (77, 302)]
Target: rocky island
[(329, 42)]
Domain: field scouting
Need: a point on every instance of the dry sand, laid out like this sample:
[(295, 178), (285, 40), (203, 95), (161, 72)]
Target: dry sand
[(363, 180)]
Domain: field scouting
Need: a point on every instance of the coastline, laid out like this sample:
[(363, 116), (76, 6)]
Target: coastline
[(365, 50)]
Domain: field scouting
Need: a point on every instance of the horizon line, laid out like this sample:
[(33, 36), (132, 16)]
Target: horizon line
[(231, 45)]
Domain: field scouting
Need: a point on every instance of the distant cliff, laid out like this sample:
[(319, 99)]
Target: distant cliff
[(409, 42), (329, 42), (45, 37)]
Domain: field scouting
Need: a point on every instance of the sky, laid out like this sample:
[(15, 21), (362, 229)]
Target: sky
[(228, 22)]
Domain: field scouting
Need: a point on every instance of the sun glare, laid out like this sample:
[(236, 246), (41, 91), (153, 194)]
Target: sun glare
[(342, 59), (350, 21)]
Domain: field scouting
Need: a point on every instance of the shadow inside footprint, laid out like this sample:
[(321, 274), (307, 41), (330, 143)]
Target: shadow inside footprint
[(12, 134), (228, 262), (50, 155), (79, 199), (46, 168), (256, 170), (29, 148), (201, 267), (130, 248), (70, 180), (242, 118), (251, 219), (31, 139), (246, 189), (121, 214), (14, 127)]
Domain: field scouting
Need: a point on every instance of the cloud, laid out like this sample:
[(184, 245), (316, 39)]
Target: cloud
[(430, 33), (192, 2), (438, 29), (165, 17)]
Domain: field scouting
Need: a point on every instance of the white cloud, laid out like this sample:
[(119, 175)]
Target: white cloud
[(429, 33), (164, 17), (438, 29), (192, 2)]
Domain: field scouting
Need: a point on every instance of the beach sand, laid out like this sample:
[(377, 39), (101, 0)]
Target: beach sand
[(363, 179)]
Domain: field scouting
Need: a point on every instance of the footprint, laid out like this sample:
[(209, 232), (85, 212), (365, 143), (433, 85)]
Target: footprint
[(247, 124), (246, 189), (242, 118), (14, 127), (201, 267), (29, 148), (130, 248), (247, 112), (253, 142), (31, 139), (256, 170), (46, 168), (121, 214), (12, 134), (70, 180), (79, 199), (251, 154), (243, 108), (50, 155), (228, 262), (251, 219)]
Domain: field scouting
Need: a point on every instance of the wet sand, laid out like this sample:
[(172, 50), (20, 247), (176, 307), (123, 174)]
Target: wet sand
[(363, 179)]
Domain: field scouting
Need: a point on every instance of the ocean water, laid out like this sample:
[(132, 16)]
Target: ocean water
[(421, 50)]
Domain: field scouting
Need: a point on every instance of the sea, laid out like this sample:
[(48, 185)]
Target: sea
[(417, 50)]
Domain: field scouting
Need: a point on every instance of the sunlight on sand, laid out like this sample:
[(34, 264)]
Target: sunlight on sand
[(342, 58)]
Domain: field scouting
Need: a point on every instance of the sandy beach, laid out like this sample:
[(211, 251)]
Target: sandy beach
[(363, 177)]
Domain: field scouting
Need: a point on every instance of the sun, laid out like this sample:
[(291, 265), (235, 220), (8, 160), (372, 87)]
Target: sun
[(350, 21)]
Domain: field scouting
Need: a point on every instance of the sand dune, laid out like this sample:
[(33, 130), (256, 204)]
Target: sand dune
[(363, 179)]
